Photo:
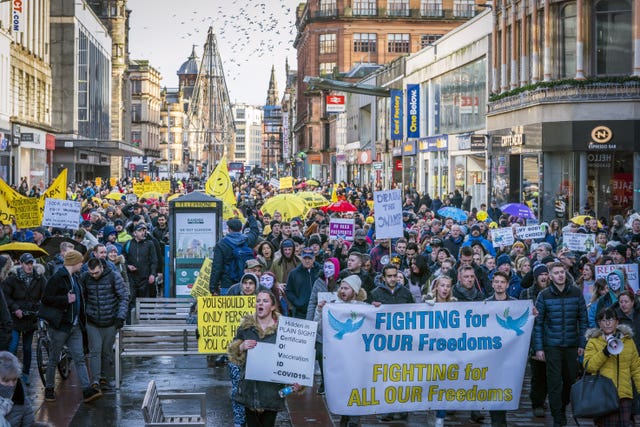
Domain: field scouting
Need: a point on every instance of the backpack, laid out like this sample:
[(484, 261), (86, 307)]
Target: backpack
[(241, 254)]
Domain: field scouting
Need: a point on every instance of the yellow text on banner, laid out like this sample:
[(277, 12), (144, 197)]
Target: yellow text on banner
[(27, 212), (218, 319), (7, 196), (200, 287), (286, 182)]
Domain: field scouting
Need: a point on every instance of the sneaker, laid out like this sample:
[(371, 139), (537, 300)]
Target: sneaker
[(92, 393), (49, 395), (105, 384), (320, 389), (538, 412)]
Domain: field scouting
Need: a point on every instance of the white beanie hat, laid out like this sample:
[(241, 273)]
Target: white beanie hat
[(353, 281)]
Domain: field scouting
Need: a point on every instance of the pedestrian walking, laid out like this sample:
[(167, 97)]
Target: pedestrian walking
[(142, 263)]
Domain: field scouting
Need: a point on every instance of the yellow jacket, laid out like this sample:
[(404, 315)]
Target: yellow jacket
[(622, 368)]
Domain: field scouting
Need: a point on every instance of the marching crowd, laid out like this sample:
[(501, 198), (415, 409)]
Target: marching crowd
[(116, 256)]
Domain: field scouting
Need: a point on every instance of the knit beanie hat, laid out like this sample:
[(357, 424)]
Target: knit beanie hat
[(503, 259), (73, 257), (538, 270), (353, 281)]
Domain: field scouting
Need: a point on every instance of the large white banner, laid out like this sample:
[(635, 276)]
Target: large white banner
[(416, 357), (387, 206)]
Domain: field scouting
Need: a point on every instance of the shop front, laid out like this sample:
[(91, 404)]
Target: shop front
[(561, 169), (409, 151), (433, 164), (468, 160), (32, 156)]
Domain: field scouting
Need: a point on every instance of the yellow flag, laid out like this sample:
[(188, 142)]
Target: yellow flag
[(57, 190), (334, 194), (219, 184), (7, 196)]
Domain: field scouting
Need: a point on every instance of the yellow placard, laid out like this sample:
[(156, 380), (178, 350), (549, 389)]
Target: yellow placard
[(200, 287), (147, 179), (218, 319), (98, 181), (27, 212), (113, 182), (286, 182), (163, 187)]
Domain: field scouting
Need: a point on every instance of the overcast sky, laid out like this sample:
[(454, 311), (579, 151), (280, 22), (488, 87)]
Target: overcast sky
[(252, 36)]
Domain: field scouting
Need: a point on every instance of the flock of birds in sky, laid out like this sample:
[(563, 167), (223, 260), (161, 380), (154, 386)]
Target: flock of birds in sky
[(246, 31)]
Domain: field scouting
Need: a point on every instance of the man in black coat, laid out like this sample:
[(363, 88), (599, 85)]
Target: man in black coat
[(142, 264)]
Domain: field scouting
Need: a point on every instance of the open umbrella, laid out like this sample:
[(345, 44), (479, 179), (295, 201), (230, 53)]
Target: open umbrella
[(114, 196), (455, 214), (289, 205), (579, 220), (313, 183), (312, 199), (18, 248), (52, 245), (230, 211), (519, 210), (341, 206)]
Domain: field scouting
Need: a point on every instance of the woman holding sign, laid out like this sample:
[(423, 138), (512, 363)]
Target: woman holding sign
[(260, 399)]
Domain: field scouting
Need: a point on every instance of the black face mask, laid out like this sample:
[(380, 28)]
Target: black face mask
[(6, 391)]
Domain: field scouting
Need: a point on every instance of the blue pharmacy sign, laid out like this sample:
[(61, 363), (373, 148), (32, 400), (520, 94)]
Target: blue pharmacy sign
[(413, 111), (396, 115)]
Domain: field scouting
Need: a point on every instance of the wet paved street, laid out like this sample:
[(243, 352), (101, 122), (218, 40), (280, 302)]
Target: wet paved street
[(191, 374)]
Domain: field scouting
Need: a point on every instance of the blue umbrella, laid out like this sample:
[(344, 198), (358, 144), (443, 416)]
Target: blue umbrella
[(455, 214), (519, 210)]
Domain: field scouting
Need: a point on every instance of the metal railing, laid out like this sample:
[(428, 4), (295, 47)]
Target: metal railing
[(567, 93)]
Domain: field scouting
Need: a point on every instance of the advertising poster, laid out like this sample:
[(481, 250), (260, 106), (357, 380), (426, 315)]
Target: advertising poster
[(396, 115), (416, 357), (195, 236)]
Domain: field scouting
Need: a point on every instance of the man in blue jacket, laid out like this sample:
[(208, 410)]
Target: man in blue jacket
[(559, 338)]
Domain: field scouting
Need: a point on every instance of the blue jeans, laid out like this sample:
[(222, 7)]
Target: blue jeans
[(73, 340), (27, 344)]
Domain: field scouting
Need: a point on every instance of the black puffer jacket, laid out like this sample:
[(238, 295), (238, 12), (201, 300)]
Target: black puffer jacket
[(25, 295), (562, 318), (105, 298)]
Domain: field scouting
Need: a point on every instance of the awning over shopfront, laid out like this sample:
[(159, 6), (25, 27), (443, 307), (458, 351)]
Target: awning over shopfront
[(111, 148)]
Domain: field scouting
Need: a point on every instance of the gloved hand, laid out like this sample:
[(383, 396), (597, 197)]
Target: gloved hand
[(119, 323)]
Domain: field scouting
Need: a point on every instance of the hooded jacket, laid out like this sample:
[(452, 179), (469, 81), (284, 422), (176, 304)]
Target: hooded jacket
[(621, 368), (322, 285), (255, 395), (24, 295)]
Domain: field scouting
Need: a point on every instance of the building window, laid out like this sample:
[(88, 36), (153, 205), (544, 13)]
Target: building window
[(136, 87), (326, 68), (398, 7), (428, 39), (172, 121), (328, 8), (327, 43), (398, 43), (431, 8), (613, 36), (83, 77), (136, 137), (364, 42), (136, 113), (463, 8), (568, 40), (240, 114), (365, 8)]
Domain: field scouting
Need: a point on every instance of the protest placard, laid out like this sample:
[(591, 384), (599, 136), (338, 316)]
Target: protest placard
[(286, 182), (631, 271), (275, 183), (327, 296), (579, 242), (388, 214), (61, 213), (502, 236), (530, 232), (291, 359), (162, 187), (415, 357), (219, 318), (27, 212), (342, 228), (200, 287)]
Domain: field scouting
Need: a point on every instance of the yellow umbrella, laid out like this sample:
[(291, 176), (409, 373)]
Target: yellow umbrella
[(19, 248), (152, 195), (312, 182), (230, 211), (580, 220), (289, 205), (114, 196), (312, 199)]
